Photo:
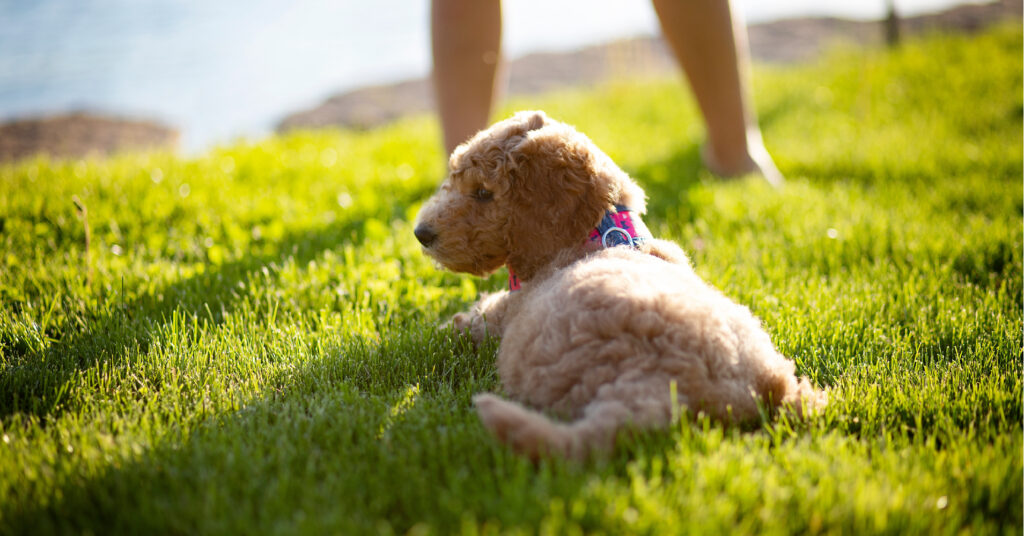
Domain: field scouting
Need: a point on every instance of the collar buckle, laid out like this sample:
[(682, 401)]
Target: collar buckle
[(617, 228)]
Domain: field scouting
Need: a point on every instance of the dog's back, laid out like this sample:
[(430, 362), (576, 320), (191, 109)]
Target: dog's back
[(602, 341)]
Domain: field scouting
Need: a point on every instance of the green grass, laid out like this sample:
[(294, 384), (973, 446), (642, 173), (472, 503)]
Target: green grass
[(247, 345)]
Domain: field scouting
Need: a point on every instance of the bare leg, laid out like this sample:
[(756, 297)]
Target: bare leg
[(466, 38), (712, 48)]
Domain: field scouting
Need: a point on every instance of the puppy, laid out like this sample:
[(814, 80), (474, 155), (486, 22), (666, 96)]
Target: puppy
[(595, 333)]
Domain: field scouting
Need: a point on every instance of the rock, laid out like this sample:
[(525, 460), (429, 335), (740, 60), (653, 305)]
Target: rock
[(80, 134)]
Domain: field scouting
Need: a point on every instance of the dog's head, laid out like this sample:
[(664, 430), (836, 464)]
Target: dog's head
[(518, 193)]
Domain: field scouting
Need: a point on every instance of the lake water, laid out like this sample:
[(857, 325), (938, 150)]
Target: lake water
[(220, 69)]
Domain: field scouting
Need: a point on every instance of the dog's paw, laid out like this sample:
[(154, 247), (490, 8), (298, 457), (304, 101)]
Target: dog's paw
[(525, 431), (497, 415), (485, 403), (468, 324), (459, 323)]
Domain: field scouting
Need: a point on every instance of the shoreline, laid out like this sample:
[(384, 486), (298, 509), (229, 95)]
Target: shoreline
[(84, 133), (784, 41)]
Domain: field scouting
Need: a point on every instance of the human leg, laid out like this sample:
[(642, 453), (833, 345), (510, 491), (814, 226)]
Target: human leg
[(466, 39), (711, 46)]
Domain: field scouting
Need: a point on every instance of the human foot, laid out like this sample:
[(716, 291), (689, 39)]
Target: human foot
[(755, 160)]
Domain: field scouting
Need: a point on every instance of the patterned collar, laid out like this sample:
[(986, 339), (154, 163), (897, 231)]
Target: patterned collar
[(623, 227)]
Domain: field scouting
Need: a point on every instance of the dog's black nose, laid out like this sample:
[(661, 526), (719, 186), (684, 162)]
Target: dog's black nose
[(425, 234)]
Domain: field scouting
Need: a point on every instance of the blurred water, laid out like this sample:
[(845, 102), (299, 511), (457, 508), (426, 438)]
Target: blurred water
[(218, 69)]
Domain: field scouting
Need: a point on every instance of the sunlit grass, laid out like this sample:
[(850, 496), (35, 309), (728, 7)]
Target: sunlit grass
[(246, 342)]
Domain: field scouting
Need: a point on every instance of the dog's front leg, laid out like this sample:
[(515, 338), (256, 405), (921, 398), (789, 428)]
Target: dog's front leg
[(486, 317)]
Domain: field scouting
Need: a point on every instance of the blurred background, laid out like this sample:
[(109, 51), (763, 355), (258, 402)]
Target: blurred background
[(195, 73)]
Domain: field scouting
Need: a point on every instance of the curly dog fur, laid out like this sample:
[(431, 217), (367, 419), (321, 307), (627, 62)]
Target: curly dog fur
[(595, 337)]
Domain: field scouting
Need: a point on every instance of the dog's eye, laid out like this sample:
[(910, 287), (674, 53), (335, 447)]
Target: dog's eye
[(483, 194)]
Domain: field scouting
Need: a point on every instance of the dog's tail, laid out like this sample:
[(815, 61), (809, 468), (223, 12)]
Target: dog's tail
[(533, 434)]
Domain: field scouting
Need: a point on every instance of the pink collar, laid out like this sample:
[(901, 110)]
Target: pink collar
[(623, 227)]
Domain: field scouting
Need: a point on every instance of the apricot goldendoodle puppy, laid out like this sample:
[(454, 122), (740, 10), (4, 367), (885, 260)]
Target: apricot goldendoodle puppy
[(591, 333)]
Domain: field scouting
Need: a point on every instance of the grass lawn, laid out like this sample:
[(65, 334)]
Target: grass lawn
[(245, 342)]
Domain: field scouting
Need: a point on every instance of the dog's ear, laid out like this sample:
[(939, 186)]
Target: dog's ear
[(501, 137), (561, 184), (531, 120)]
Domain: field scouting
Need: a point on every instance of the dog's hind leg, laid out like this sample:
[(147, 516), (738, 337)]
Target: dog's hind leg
[(534, 434)]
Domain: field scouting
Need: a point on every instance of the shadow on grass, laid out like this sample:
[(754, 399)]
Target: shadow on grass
[(334, 451), (337, 451), (40, 383)]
